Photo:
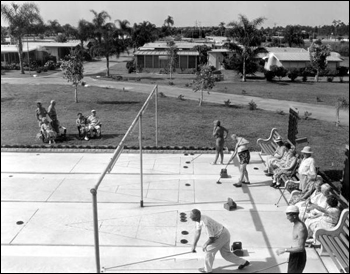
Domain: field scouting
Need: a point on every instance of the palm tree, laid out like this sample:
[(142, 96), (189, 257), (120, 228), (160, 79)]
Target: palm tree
[(248, 37), (99, 22), (84, 32), (20, 17), (169, 21), (222, 27), (292, 35), (55, 27)]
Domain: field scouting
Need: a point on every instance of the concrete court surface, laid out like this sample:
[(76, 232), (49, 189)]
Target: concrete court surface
[(50, 194)]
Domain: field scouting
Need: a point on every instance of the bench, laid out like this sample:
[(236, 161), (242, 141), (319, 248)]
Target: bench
[(268, 146), (335, 242)]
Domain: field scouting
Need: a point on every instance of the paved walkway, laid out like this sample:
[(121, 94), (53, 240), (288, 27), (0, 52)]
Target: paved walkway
[(50, 194), (326, 113)]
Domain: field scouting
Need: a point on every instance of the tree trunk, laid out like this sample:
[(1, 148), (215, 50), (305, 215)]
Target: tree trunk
[(317, 75), (201, 98), (170, 71), (244, 76), (107, 58), (76, 93), (20, 55)]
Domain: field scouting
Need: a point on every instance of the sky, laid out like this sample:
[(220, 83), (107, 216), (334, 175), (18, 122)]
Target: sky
[(190, 13)]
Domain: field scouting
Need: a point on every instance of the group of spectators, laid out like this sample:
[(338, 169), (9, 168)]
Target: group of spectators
[(51, 128), (317, 206)]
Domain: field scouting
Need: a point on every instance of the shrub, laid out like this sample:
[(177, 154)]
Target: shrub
[(131, 66), (280, 72), (293, 74), (341, 72), (38, 70), (227, 103), (269, 75), (252, 105), (280, 112), (50, 65), (307, 115), (139, 68), (171, 83)]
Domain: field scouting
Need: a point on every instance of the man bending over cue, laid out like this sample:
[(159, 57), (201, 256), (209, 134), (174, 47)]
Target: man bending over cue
[(219, 239)]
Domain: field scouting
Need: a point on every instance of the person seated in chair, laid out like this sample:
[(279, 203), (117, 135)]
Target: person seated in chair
[(40, 113), (285, 168), (94, 123), (278, 154), (82, 125), (48, 131)]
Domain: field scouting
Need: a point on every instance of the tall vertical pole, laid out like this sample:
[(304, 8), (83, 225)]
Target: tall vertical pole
[(96, 236), (141, 164), (156, 104)]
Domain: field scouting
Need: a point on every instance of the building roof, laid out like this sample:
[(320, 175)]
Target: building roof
[(164, 52), (180, 45), (220, 50), (303, 56), (40, 46), (14, 48), (276, 49)]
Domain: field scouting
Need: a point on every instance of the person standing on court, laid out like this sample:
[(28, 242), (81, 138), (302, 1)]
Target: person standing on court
[(220, 136), (242, 150), (51, 110), (297, 253), (218, 239)]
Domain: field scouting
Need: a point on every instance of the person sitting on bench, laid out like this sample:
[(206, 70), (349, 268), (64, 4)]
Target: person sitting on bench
[(94, 123), (82, 126), (279, 153), (285, 168)]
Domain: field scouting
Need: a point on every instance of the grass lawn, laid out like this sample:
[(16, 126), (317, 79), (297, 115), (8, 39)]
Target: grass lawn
[(181, 123), (284, 89)]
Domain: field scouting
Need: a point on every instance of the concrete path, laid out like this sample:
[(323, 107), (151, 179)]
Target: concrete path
[(326, 113), (50, 194)]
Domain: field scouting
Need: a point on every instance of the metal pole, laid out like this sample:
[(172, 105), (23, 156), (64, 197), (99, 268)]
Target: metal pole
[(156, 103), (96, 236), (141, 165)]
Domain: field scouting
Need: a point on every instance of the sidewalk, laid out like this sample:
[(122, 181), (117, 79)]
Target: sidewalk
[(50, 194)]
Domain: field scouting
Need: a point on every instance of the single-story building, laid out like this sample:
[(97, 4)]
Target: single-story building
[(216, 57), (290, 60), (155, 55), (38, 51)]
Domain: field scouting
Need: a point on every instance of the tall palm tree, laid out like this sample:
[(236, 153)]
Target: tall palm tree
[(169, 21), (85, 31), (248, 36), (20, 17), (99, 22)]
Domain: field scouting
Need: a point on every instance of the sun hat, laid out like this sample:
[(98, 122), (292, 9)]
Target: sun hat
[(278, 139), (292, 209), (307, 150), (93, 110)]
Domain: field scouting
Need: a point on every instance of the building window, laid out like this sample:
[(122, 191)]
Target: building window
[(149, 61), (183, 62), (156, 61), (140, 61), (191, 62)]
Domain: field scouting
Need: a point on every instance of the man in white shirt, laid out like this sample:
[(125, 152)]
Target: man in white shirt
[(219, 239)]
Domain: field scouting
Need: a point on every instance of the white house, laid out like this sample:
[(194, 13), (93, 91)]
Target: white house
[(297, 60), (37, 51)]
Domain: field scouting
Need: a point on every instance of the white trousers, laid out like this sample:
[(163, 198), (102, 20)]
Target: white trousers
[(222, 244)]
